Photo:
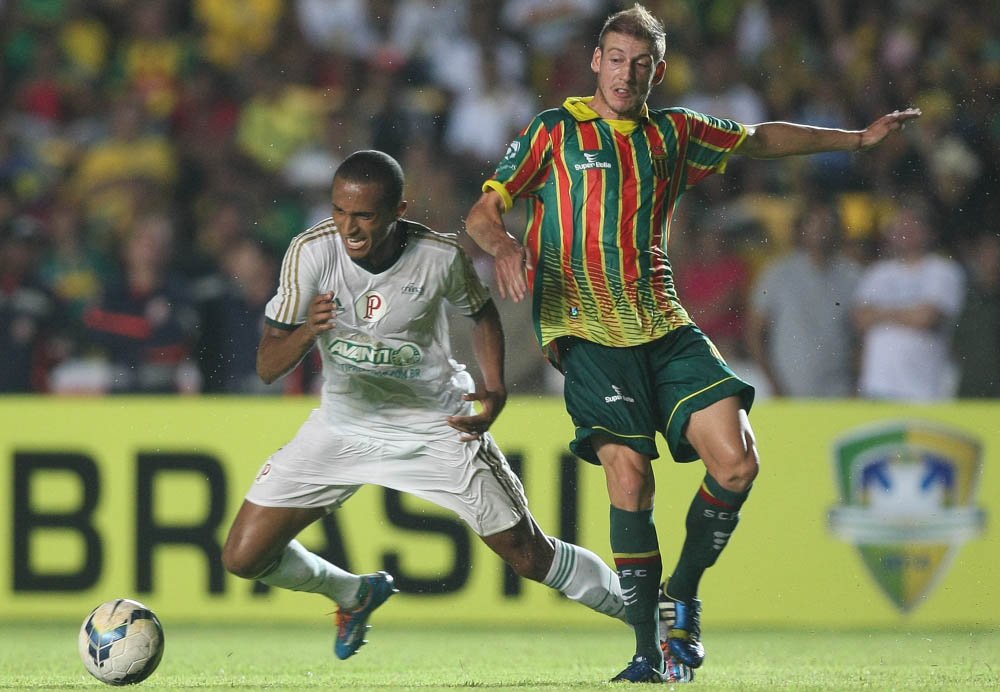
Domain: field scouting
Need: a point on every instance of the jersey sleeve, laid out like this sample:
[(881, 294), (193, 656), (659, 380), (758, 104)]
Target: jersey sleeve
[(289, 306), (710, 141), (525, 165), (464, 290)]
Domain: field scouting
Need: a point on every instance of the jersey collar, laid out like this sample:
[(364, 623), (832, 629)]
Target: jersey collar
[(579, 108)]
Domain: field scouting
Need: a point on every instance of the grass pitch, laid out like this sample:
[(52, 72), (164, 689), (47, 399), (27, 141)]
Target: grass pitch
[(284, 657)]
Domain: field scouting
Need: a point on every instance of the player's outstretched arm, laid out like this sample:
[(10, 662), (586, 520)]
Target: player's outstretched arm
[(280, 351), (776, 139), (486, 227)]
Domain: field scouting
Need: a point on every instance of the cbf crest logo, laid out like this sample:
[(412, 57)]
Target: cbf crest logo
[(908, 502)]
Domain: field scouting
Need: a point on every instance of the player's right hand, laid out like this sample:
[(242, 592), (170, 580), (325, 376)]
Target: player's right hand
[(491, 404), (322, 314)]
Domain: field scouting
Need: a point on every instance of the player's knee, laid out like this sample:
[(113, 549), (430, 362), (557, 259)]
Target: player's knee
[(243, 563), (738, 470), (526, 556), (529, 565), (631, 488)]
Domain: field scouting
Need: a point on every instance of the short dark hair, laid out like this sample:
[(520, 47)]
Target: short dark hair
[(637, 22), (374, 167)]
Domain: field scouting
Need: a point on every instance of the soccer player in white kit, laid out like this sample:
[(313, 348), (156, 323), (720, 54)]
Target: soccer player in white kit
[(368, 289)]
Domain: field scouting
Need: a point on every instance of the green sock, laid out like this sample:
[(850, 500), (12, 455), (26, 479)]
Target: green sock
[(711, 519), (637, 559)]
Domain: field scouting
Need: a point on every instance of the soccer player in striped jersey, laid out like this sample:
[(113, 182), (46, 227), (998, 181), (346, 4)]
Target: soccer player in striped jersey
[(601, 177), (368, 289)]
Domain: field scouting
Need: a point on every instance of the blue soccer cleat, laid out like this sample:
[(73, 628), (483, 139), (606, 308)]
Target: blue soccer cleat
[(684, 640), (352, 623), (641, 670)]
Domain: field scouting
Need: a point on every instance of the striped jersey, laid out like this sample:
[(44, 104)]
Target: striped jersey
[(600, 195), (387, 364)]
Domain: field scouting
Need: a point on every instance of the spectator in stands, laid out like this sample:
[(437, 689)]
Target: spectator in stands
[(722, 92), (278, 119), (906, 307), (977, 338), (153, 60), (29, 315), (145, 324), (122, 176), (799, 328), (71, 267), (714, 282), (233, 32), (545, 25), (233, 327)]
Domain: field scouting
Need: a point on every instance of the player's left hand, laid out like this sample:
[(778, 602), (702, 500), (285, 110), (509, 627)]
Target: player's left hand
[(511, 263), (472, 427), (880, 129)]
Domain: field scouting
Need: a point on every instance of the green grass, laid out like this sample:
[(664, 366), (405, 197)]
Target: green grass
[(266, 656)]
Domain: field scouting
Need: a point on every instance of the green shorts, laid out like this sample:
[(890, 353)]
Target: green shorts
[(632, 393)]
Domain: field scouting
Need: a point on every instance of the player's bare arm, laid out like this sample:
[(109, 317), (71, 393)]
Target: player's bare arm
[(776, 139), (923, 316), (485, 226), (488, 348), (280, 351)]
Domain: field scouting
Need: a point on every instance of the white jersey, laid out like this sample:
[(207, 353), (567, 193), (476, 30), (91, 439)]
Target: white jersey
[(387, 364), (900, 362)]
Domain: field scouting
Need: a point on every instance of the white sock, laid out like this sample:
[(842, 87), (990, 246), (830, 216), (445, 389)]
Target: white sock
[(300, 570), (586, 579)]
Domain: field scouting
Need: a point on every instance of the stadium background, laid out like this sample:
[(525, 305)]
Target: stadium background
[(240, 112)]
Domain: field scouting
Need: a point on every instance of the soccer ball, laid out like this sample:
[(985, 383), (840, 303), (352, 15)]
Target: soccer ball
[(121, 642)]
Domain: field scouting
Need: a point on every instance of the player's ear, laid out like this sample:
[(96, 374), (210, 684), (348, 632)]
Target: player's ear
[(659, 71), (401, 209), (595, 61)]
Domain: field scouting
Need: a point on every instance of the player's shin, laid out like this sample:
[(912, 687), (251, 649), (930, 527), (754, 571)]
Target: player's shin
[(711, 520), (300, 570), (637, 557), (586, 579)]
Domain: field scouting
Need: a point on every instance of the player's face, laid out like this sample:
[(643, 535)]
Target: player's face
[(625, 74), (821, 231), (907, 234), (365, 221)]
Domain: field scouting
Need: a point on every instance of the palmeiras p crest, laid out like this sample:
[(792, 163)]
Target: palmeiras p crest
[(908, 494)]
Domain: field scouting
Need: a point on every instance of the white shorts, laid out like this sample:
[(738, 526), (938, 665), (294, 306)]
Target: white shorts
[(323, 468)]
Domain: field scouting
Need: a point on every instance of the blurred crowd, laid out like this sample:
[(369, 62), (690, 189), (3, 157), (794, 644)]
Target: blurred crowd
[(156, 156)]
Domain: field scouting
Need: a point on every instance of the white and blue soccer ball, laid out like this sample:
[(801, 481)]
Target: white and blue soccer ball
[(121, 642)]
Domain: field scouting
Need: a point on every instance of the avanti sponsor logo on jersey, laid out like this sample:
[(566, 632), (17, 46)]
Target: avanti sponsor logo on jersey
[(374, 354), (592, 159), (908, 502)]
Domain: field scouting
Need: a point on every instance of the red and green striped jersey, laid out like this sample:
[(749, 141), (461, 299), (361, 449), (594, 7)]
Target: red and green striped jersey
[(600, 198)]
